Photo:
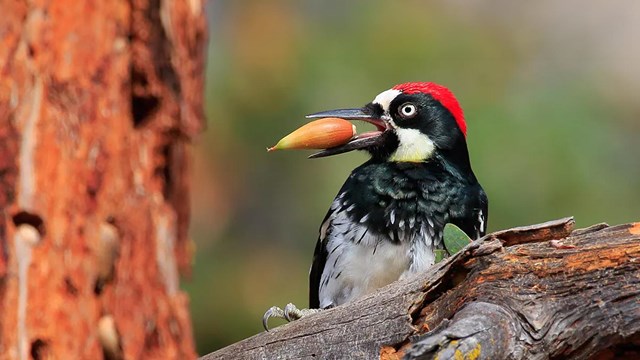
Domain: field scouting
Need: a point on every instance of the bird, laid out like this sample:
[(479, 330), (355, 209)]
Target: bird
[(387, 220)]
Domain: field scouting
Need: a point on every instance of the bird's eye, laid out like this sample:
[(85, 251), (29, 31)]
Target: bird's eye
[(408, 110)]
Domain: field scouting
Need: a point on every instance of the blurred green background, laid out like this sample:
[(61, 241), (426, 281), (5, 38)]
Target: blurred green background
[(550, 92)]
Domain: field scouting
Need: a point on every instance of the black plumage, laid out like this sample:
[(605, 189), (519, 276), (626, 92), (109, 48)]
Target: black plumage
[(431, 193)]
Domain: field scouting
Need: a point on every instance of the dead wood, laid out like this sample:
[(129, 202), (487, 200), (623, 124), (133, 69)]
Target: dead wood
[(509, 295)]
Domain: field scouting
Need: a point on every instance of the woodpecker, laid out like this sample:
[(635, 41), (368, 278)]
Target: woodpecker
[(389, 216)]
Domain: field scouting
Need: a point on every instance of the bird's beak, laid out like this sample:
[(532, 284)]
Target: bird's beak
[(360, 141)]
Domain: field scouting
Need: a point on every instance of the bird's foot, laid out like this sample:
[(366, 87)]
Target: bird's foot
[(289, 313)]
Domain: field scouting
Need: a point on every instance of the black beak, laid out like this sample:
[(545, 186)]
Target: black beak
[(360, 141)]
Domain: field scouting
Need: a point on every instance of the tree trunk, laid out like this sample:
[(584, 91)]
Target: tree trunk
[(98, 101), (537, 292)]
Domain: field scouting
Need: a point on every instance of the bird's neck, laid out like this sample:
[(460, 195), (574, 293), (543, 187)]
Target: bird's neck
[(455, 155), (454, 163), (455, 160)]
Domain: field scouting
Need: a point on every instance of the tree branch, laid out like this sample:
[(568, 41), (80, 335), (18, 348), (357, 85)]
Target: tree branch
[(513, 294)]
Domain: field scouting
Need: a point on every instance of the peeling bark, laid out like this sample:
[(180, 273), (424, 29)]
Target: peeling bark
[(510, 295), (98, 102)]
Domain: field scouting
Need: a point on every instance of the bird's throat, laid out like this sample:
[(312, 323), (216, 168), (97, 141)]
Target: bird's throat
[(413, 146)]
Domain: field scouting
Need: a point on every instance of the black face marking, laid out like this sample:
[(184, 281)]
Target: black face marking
[(388, 144), (374, 109), (431, 118)]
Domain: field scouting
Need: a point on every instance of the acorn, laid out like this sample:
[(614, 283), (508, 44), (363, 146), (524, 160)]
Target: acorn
[(319, 134)]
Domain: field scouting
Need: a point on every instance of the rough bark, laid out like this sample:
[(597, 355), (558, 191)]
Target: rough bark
[(98, 101), (536, 292)]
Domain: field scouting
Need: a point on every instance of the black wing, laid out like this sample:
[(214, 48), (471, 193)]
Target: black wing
[(317, 266), (474, 223)]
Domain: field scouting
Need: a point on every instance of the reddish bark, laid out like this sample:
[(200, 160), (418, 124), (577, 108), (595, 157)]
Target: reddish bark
[(98, 101)]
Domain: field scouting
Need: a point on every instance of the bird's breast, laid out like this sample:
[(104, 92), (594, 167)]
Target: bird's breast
[(361, 260), (358, 270)]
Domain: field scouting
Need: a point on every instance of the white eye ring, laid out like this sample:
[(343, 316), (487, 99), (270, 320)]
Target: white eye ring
[(408, 110)]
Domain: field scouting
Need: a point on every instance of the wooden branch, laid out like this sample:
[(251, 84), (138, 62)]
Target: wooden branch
[(513, 294)]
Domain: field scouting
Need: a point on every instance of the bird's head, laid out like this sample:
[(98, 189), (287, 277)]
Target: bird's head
[(413, 120)]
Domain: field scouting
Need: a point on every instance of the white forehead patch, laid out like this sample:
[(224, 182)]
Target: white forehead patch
[(385, 98)]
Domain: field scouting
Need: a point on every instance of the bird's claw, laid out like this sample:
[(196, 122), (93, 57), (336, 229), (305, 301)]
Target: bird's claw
[(274, 312), (290, 313)]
